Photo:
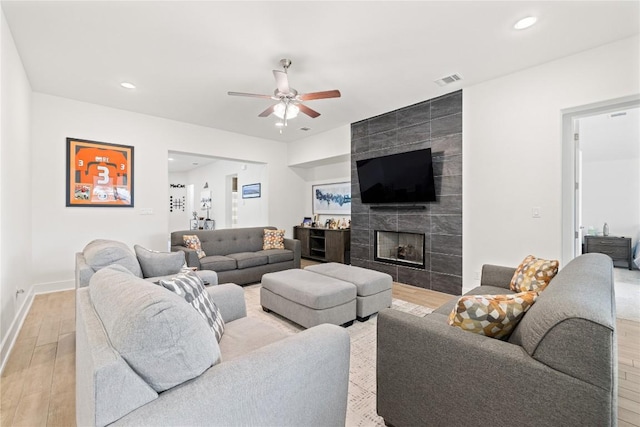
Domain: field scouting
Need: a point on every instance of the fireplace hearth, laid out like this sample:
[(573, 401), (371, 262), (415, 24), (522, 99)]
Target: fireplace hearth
[(399, 248)]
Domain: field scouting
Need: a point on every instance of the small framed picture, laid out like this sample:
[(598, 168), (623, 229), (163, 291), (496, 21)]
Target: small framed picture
[(306, 222), (251, 191)]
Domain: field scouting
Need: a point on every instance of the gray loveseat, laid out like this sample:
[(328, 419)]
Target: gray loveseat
[(558, 367), (236, 254), (145, 357), (143, 263)]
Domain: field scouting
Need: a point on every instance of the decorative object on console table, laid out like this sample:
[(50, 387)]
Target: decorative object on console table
[(99, 174), (332, 198), (618, 248), (323, 244)]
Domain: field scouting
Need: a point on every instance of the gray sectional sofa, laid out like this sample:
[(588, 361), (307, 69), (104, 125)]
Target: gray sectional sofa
[(145, 357), (558, 367), (236, 254)]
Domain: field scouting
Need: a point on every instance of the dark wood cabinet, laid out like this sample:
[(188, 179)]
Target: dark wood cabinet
[(322, 244), (618, 248)]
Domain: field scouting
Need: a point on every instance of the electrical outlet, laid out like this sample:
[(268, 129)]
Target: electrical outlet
[(536, 212)]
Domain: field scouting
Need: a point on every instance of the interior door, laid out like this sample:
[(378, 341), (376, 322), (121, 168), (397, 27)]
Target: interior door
[(579, 228)]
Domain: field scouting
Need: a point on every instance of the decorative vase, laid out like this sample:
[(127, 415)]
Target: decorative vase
[(605, 229)]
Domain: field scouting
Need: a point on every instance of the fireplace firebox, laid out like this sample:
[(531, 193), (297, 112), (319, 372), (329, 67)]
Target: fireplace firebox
[(399, 248)]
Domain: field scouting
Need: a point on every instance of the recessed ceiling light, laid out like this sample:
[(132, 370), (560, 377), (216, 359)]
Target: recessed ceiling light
[(525, 22), (279, 124), (128, 85), (170, 159)]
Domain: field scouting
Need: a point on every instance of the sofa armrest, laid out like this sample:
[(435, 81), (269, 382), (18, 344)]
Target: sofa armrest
[(83, 271), (301, 380), (230, 300), (430, 373), (294, 245), (496, 275), (189, 254)]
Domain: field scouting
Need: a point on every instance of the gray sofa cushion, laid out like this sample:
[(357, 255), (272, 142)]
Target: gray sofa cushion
[(277, 255), (101, 253), (154, 263), (160, 336), (218, 263), (249, 259), (244, 335)]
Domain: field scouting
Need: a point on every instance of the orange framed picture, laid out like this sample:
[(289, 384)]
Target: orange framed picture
[(99, 174)]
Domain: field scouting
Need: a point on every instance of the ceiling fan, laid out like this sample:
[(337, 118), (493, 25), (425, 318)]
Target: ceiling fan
[(289, 100)]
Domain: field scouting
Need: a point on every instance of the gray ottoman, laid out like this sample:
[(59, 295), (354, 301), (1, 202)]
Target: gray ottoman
[(307, 298), (373, 287)]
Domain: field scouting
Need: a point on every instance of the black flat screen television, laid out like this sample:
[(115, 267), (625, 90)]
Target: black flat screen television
[(397, 178)]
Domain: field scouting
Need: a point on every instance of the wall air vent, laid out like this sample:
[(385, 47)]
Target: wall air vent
[(448, 79)]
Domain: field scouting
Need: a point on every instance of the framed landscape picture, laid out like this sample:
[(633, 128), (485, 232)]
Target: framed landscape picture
[(99, 174), (330, 199), (251, 191)]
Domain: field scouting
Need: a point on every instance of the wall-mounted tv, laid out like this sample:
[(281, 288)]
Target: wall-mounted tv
[(397, 178)]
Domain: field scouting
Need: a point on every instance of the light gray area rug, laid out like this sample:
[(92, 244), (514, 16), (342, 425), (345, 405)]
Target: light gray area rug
[(627, 293), (361, 407)]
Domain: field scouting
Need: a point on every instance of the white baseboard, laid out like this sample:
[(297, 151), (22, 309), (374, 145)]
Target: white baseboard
[(10, 339)]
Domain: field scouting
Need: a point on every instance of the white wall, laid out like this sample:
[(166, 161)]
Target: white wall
[(67, 230), (15, 187), (512, 142), (321, 159)]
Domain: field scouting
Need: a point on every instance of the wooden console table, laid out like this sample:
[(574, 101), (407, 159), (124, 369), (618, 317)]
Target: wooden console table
[(618, 248), (324, 244)]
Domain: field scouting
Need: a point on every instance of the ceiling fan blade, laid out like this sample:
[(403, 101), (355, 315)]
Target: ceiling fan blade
[(282, 81), (319, 95), (308, 111), (266, 112), (252, 95)]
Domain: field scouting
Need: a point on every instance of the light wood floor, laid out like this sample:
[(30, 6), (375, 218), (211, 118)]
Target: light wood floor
[(37, 386)]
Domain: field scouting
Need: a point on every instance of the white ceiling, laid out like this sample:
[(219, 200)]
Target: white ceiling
[(382, 55)]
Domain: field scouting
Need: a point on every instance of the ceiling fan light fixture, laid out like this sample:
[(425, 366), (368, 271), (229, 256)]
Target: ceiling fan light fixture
[(291, 109)]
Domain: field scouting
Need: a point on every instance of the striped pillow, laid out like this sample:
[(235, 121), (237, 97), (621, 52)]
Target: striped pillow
[(190, 287)]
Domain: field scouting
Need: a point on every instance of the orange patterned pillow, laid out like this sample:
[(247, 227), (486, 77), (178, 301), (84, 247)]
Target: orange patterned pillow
[(193, 242), (533, 274), (273, 239), (492, 315)]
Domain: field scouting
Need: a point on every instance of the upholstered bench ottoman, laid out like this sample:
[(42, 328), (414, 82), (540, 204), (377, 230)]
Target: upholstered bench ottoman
[(373, 287), (307, 298)]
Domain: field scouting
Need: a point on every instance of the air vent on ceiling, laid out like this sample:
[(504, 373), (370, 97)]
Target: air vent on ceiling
[(622, 113), (305, 129), (448, 79)]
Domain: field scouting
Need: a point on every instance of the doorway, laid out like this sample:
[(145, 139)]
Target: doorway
[(601, 163)]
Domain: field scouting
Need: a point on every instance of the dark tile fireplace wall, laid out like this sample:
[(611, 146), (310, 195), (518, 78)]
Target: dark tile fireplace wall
[(436, 123)]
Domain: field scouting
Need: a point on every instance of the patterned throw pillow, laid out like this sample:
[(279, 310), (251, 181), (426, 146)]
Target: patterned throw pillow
[(273, 239), (492, 315), (193, 242), (533, 274), (190, 287)]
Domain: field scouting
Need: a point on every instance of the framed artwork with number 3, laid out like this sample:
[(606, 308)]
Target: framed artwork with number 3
[(99, 174)]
